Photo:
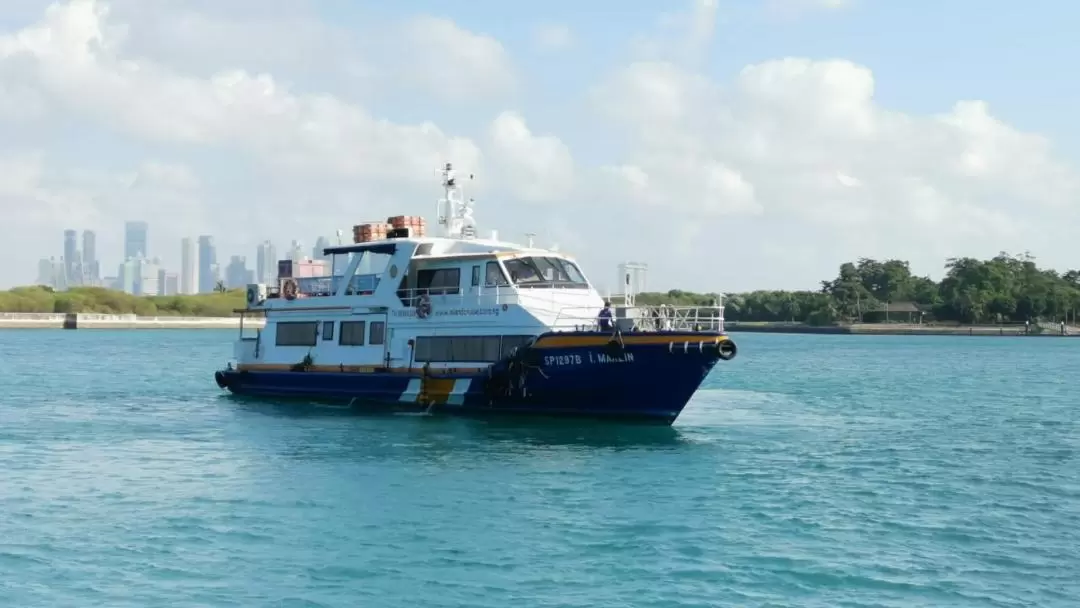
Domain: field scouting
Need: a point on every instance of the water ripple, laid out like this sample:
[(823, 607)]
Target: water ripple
[(811, 471)]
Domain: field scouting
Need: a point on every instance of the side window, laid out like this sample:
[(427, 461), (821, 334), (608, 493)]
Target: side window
[(328, 330), (493, 275), (302, 333), (378, 332), (458, 349), (439, 281), (475, 276), (352, 333)]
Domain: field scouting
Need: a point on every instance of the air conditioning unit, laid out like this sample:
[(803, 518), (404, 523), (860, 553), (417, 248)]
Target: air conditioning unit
[(256, 294)]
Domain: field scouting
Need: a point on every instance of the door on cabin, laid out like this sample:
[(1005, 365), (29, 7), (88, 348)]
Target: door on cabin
[(365, 337)]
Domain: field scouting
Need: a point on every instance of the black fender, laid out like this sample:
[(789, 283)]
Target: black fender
[(726, 350)]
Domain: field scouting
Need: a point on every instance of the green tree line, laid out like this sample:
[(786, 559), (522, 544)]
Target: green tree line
[(221, 303), (1005, 289)]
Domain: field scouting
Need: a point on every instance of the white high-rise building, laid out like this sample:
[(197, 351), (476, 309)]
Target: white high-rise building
[(266, 263), (189, 270), (147, 277)]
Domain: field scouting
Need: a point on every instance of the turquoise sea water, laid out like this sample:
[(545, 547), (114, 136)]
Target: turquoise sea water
[(810, 471)]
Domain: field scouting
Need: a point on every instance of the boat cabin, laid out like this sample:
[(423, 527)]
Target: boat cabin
[(397, 299)]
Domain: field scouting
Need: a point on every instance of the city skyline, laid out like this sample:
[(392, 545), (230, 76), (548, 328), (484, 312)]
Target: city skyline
[(140, 272)]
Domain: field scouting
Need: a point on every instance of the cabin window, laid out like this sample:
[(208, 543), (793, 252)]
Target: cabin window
[(352, 333), (462, 349), (572, 271), (439, 281), (296, 333), (545, 272), (378, 333), (328, 330), (494, 276), (432, 348), (490, 348), (475, 276)]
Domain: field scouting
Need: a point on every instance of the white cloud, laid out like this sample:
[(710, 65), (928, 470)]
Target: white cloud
[(170, 175), (76, 60), (792, 8), (41, 201), (452, 62), (552, 37), (75, 63), (771, 176), (804, 143), (201, 38), (683, 35), (536, 168)]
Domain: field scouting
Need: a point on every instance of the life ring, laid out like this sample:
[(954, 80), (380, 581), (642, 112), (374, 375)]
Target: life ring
[(423, 306), (289, 289), (252, 296), (726, 350)]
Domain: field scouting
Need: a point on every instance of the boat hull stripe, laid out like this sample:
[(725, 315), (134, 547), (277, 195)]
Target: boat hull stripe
[(356, 369), (411, 394), (557, 341), (461, 388)]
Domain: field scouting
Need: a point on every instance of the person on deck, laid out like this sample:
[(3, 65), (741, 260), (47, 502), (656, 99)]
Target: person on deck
[(604, 318)]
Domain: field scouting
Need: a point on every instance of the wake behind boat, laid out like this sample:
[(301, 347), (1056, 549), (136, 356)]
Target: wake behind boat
[(460, 324)]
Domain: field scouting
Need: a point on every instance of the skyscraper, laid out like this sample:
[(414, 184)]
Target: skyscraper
[(236, 273), (207, 264), (135, 240), (189, 277), (47, 272), (71, 257), (91, 268), (146, 277), (317, 251), (296, 252), (266, 263)]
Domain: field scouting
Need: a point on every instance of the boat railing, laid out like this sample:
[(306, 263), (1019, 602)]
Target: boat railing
[(645, 318), (315, 287), (479, 296)]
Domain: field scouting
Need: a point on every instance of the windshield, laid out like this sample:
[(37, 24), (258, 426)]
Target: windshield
[(545, 272)]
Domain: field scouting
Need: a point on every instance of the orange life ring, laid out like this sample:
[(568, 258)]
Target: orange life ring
[(423, 306), (289, 289)]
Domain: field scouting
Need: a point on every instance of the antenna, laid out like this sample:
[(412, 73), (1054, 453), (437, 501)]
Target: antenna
[(455, 213)]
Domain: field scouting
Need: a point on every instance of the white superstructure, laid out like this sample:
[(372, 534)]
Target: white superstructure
[(396, 302)]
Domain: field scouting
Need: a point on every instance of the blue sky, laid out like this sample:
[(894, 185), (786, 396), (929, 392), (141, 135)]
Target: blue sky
[(776, 137)]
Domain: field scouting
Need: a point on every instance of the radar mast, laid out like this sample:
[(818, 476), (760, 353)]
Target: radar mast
[(455, 212)]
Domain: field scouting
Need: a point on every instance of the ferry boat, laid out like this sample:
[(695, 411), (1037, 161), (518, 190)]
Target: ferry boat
[(460, 324)]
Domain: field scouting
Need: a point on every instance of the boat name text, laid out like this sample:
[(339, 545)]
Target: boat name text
[(589, 358)]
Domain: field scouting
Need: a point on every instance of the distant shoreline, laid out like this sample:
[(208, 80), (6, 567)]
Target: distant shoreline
[(11, 320), (102, 321), (897, 329)]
